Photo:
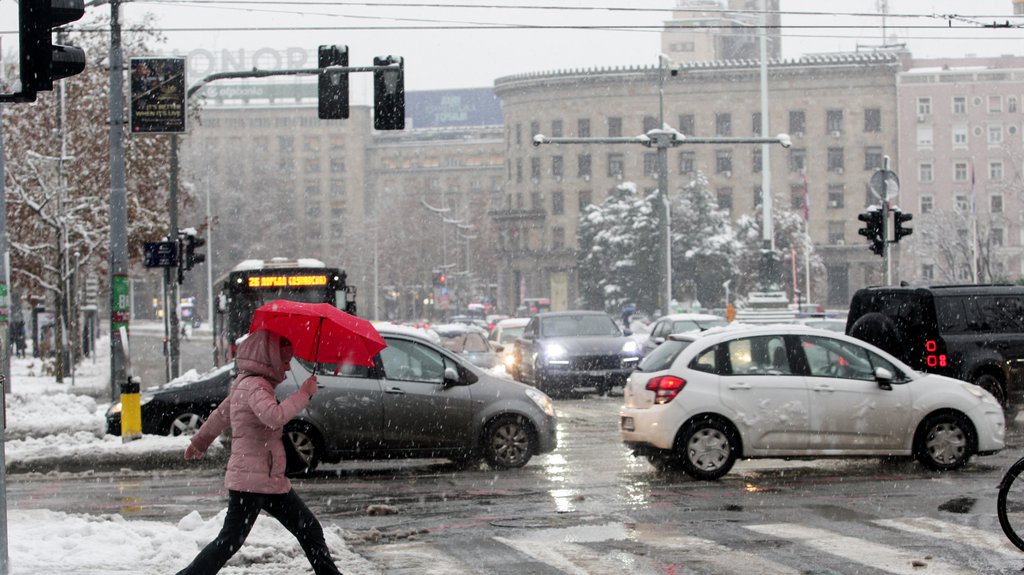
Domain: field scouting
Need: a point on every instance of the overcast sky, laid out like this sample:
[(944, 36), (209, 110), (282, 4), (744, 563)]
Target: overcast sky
[(460, 52)]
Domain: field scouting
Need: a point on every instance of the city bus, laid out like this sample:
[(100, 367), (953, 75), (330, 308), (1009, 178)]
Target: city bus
[(253, 283)]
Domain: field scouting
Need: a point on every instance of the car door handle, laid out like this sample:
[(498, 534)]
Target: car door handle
[(740, 385), (827, 388), (395, 391)]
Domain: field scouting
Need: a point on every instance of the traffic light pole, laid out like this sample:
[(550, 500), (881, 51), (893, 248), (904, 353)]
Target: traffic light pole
[(120, 309), (886, 248)]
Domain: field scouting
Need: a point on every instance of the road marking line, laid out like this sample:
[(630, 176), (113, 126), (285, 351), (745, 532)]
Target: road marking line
[(577, 559), (973, 536), (716, 557), (417, 558), (860, 551)]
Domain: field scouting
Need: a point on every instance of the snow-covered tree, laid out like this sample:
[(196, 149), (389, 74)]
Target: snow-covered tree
[(618, 254), (58, 178), (790, 236), (705, 248)]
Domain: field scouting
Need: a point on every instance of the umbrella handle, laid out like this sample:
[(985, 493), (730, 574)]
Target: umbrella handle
[(316, 350)]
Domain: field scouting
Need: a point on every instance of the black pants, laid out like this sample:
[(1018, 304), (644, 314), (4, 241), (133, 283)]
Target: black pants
[(243, 508)]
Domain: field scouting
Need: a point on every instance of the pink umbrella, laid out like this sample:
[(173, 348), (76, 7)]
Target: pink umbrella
[(320, 332)]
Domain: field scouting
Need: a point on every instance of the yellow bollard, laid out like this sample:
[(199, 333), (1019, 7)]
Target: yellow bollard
[(131, 410)]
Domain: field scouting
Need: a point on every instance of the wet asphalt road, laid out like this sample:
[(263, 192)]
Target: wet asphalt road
[(591, 508)]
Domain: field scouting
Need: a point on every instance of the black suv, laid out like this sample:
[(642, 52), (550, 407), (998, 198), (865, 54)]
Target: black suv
[(973, 333)]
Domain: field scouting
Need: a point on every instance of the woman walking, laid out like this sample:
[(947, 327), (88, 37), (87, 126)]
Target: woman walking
[(255, 476)]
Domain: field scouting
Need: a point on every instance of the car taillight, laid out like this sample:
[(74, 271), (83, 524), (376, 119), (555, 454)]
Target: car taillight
[(665, 388)]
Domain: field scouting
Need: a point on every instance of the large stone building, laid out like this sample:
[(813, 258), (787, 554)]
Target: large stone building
[(839, 109), (707, 30), (960, 126)]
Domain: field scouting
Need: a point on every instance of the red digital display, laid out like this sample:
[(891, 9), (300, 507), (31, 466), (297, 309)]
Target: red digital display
[(933, 359)]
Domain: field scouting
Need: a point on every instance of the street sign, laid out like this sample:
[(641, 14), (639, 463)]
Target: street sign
[(160, 254), (885, 185)]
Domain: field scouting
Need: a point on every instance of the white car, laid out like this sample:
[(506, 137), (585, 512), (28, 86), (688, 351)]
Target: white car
[(699, 402), (503, 336), (679, 323)]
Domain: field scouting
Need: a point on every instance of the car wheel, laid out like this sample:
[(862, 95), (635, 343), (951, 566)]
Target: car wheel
[(708, 448), (508, 442), (944, 442), (187, 423), (307, 452), (878, 330), (991, 384)]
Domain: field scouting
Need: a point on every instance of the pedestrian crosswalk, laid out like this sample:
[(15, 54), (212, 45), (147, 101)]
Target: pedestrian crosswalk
[(916, 545)]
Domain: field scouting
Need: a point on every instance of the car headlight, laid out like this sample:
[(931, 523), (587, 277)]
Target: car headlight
[(116, 408), (630, 347), (542, 400), (980, 393)]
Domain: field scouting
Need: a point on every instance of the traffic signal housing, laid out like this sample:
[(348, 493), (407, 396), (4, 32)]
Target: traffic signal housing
[(389, 93), (42, 61), (872, 229), (332, 85), (192, 243), (440, 280), (901, 217)]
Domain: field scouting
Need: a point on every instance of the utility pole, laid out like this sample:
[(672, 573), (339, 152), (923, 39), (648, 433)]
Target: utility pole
[(120, 304)]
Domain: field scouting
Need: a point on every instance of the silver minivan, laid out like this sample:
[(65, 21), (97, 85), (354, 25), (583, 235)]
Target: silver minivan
[(418, 400)]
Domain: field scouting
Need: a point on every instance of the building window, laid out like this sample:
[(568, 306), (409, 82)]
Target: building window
[(995, 104), (583, 128), (723, 162), (724, 199), (286, 144), (1011, 104), (797, 193), (651, 164), (927, 272), (995, 203), (924, 135), (835, 160), (755, 124), (834, 122), (583, 166), (797, 159), (337, 165), (586, 198), (614, 127), (558, 238), (873, 158), (557, 203), (757, 161), (927, 204), (996, 237), (836, 196), (960, 171), (651, 123), (797, 122), (535, 169), (687, 162), (959, 105), (519, 170), (757, 196), (995, 134), (536, 201), (962, 203), (837, 233), (557, 167), (924, 106), (925, 173), (556, 128), (519, 134), (534, 128), (959, 136), (687, 124), (723, 124), (995, 171), (872, 119), (615, 165)]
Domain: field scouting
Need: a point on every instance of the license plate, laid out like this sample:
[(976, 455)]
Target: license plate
[(627, 423)]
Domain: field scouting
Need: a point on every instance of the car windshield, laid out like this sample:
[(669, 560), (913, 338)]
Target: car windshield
[(578, 325), (663, 355), (465, 343), (510, 334)]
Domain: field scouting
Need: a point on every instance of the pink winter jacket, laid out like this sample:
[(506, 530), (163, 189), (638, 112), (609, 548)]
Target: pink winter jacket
[(257, 460)]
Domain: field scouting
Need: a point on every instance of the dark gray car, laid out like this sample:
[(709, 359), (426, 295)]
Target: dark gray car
[(418, 400)]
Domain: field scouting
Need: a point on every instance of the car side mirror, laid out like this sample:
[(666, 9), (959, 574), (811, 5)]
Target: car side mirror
[(883, 377), (451, 376), (499, 348), (627, 332), (659, 340)]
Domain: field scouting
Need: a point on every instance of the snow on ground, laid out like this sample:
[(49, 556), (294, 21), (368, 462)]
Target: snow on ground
[(46, 419)]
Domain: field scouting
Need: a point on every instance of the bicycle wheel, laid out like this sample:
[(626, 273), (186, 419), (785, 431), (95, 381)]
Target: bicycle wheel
[(1010, 505)]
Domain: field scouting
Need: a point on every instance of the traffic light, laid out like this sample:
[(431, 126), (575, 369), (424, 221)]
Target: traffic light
[(191, 257), (440, 280), (872, 229), (332, 87), (389, 93), (42, 61), (900, 231)]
